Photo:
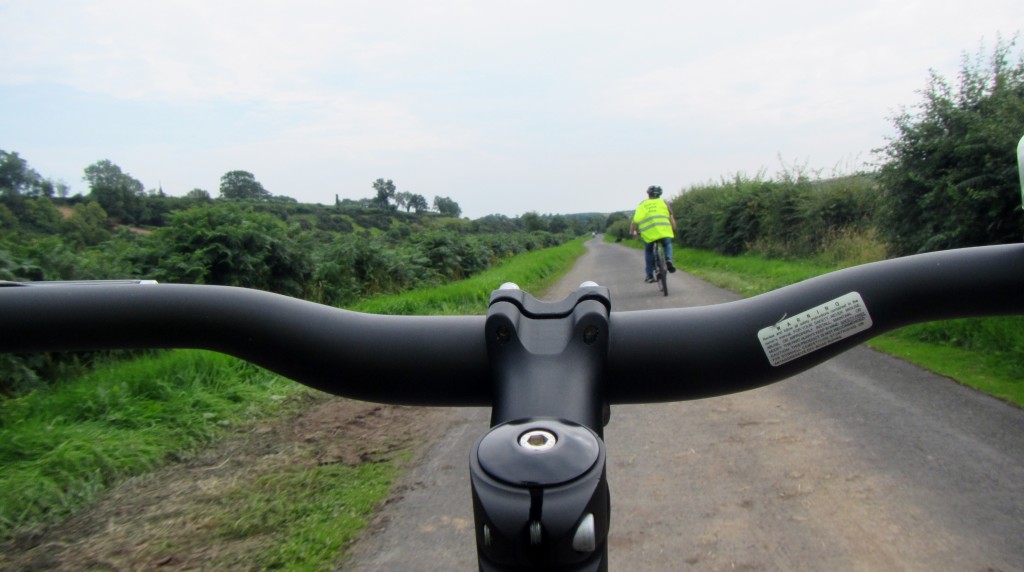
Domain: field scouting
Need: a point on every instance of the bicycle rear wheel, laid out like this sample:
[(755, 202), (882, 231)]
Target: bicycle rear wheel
[(662, 269)]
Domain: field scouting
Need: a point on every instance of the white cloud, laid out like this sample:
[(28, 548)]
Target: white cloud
[(458, 95)]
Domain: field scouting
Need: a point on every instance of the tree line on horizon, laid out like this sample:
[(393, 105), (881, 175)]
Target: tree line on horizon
[(123, 197)]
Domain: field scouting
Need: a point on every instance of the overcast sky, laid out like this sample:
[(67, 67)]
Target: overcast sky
[(505, 107)]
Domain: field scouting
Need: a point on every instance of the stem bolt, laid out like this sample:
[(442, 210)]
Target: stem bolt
[(538, 440)]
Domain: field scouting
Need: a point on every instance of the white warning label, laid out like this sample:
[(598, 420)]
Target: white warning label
[(798, 335)]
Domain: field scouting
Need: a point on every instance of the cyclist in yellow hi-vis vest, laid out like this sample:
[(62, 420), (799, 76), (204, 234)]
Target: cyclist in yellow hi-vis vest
[(655, 222)]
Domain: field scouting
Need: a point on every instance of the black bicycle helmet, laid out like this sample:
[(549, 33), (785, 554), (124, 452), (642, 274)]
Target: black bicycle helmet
[(653, 192)]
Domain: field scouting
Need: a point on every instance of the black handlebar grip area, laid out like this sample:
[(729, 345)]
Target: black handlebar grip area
[(421, 360), (690, 353)]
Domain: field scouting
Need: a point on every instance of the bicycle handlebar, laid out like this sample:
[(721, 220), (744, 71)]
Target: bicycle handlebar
[(547, 369), (652, 356)]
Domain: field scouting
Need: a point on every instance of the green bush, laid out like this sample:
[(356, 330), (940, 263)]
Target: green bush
[(950, 177), (780, 218), (229, 246)]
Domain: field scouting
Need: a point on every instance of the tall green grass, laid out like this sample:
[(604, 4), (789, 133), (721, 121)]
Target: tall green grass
[(61, 446), (984, 353), (748, 274), (534, 271)]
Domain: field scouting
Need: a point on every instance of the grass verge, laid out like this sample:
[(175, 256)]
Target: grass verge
[(534, 271), (303, 516), (62, 446), (984, 353)]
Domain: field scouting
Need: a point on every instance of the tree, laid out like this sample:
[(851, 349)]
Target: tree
[(950, 174), (62, 189), (447, 207), (242, 185), (558, 223), (418, 203), (402, 200), (533, 222), (614, 218), (385, 192), (16, 178), (198, 195), (411, 201), (47, 188), (120, 194)]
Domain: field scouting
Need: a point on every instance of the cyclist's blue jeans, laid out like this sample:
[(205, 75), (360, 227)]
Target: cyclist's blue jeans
[(666, 243)]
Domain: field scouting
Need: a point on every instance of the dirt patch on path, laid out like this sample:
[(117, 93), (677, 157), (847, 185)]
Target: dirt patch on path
[(160, 521)]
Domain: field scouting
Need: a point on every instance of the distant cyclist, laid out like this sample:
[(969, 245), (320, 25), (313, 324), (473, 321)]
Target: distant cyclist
[(655, 222)]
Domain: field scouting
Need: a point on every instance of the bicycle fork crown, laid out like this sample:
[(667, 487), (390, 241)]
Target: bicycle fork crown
[(540, 493)]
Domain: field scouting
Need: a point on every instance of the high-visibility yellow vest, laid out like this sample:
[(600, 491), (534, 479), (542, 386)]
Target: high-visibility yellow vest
[(652, 220)]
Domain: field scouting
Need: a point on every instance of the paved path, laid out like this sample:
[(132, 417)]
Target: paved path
[(863, 463)]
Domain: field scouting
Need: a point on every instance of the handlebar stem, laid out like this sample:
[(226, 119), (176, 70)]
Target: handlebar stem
[(540, 492), (547, 359)]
